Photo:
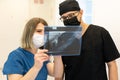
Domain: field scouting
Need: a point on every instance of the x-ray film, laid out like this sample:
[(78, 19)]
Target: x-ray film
[(65, 41)]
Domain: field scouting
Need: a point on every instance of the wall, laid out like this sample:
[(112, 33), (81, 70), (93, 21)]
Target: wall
[(12, 19)]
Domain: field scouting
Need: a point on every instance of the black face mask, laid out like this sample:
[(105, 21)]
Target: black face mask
[(71, 22)]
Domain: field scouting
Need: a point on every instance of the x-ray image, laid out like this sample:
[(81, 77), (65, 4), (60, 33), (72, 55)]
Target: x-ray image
[(65, 41)]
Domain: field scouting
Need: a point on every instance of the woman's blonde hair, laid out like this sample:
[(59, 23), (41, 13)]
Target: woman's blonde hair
[(26, 41)]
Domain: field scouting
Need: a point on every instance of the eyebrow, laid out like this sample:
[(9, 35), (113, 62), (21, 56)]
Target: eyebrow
[(38, 29), (69, 14)]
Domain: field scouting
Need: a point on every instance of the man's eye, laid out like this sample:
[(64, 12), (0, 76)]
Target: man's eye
[(65, 17), (71, 15)]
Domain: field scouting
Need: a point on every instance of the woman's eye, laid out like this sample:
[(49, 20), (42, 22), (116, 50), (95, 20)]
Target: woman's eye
[(39, 31)]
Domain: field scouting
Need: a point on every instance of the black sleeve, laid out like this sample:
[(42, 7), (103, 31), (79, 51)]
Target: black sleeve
[(109, 48)]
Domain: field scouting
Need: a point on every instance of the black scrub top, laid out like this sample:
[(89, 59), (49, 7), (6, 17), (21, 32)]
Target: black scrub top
[(97, 49)]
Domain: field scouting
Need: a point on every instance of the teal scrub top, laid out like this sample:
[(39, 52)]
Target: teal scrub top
[(20, 61)]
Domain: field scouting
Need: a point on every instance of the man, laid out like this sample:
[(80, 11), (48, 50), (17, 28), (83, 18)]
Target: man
[(98, 49)]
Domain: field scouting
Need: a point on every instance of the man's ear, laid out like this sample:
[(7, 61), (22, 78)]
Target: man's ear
[(80, 15), (81, 12)]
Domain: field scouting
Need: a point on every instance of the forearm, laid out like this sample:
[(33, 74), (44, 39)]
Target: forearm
[(113, 72), (39, 58), (31, 74), (58, 78), (58, 68), (50, 67)]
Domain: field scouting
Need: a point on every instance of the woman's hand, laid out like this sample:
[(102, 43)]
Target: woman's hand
[(40, 57)]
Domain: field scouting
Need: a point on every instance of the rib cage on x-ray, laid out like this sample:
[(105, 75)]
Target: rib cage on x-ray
[(69, 41), (63, 40)]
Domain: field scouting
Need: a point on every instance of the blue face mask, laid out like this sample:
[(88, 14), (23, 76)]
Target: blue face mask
[(71, 22)]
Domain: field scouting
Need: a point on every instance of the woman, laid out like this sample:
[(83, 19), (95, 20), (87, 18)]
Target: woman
[(28, 62)]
